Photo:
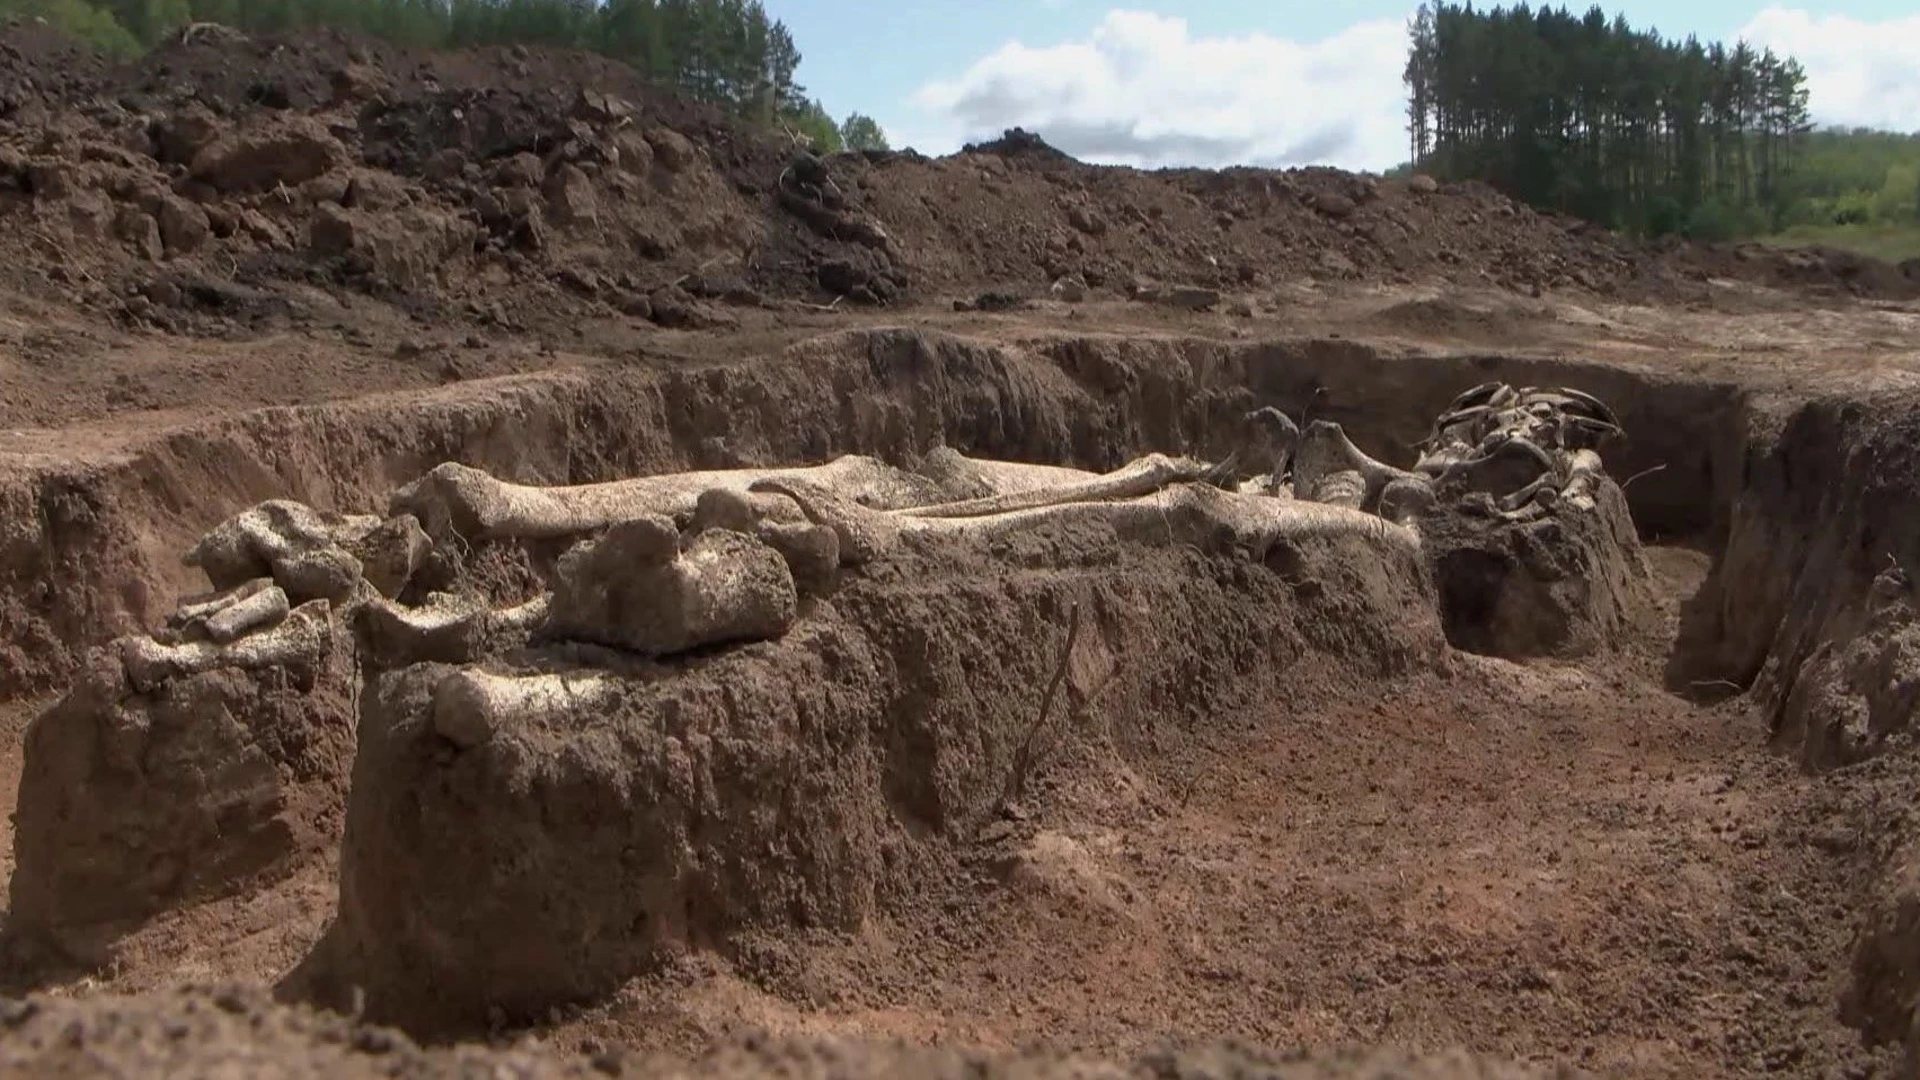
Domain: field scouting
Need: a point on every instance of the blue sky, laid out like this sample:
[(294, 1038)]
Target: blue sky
[(1213, 81)]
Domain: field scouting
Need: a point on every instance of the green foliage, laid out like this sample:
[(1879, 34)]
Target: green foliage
[(77, 19), (1591, 116), (728, 53), (863, 132), (811, 120), (1894, 242)]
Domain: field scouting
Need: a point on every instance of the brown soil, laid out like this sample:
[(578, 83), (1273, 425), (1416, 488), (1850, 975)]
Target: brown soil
[(1687, 851)]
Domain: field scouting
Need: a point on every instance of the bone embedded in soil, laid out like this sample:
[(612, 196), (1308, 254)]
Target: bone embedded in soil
[(492, 549), (703, 741)]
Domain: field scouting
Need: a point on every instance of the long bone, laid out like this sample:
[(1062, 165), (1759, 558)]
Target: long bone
[(1140, 477), (480, 506), (1191, 513)]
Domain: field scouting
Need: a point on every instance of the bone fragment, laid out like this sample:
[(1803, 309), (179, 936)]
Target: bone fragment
[(297, 642), (447, 629), (618, 591), (263, 608), (471, 707)]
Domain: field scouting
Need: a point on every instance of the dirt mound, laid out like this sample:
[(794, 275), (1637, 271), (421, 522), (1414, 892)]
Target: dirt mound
[(754, 788), (223, 185)]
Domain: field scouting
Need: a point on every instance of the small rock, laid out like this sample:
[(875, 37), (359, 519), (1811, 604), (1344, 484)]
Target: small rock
[(181, 137), (49, 180), (139, 229), (221, 222), (522, 170), (332, 231), (841, 276), (579, 279), (1333, 264), (1086, 220), (570, 196), (184, 227), (604, 108), (636, 305), (288, 151), (1422, 184), (1335, 205), (445, 165), (674, 151)]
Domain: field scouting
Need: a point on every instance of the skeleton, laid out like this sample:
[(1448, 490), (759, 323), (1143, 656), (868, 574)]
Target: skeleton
[(1526, 448), (1524, 451)]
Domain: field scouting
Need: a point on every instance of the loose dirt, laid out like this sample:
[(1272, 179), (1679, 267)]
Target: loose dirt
[(315, 268)]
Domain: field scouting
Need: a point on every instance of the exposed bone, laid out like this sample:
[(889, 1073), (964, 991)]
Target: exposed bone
[(1259, 464), (298, 642), (1141, 477), (250, 544), (1326, 450), (447, 630), (1190, 513), (1509, 465), (263, 608), (470, 707), (192, 613), (391, 553), (812, 553), (1406, 501), (1347, 488), (863, 534), (479, 506), (618, 591)]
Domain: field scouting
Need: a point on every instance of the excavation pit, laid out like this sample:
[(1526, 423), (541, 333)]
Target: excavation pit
[(841, 721)]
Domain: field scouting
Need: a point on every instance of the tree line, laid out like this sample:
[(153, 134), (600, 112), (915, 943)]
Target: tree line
[(728, 53), (1588, 115)]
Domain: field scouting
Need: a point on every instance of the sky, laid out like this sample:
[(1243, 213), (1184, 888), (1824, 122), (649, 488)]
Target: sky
[(1253, 82)]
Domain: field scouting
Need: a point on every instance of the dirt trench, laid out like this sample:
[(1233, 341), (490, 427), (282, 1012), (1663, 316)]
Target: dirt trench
[(93, 541), (1792, 498)]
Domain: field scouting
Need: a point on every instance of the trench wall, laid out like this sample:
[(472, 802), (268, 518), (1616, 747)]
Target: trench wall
[(91, 549)]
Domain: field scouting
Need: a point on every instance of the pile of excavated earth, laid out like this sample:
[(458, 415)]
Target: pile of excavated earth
[(504, 570)]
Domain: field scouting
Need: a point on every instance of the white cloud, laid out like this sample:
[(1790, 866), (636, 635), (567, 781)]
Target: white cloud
[(1858, 72), (1140, 89)]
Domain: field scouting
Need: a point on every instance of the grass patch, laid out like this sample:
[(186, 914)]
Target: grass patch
[(1890, 242)]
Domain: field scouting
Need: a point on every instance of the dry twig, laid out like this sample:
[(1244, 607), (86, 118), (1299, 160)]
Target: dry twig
[(1643, 472), (1023, 760)]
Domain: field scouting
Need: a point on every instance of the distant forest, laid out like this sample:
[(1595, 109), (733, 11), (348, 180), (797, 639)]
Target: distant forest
[(1587, 115), (725, 52)]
